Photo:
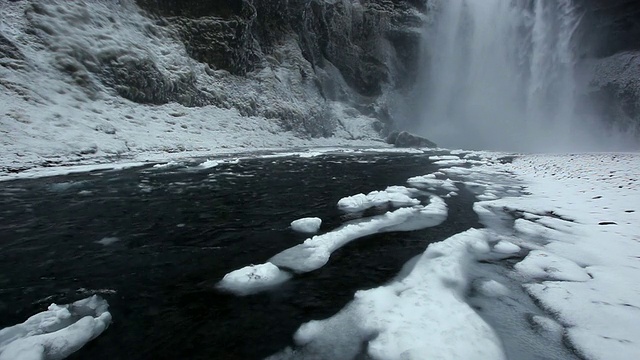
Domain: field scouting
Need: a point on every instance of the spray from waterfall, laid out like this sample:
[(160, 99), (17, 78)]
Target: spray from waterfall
[(499, 74)]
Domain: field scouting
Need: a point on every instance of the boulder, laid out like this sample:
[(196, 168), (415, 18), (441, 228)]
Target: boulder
[(407, 140)]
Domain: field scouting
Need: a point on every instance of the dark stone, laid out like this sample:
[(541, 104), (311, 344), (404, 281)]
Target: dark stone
[(609, 27), (392, 137), (406, 140)]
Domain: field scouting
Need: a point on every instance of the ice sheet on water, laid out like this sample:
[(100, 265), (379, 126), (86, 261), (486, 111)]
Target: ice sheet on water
[(306, 225), (396, 195), (421, 315), (315, 252), (253, 278), (56, 333), (543, 265), (431, 181)]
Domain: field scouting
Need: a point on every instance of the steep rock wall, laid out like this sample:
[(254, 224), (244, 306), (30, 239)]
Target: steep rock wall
[(609, 46), (353, 52)]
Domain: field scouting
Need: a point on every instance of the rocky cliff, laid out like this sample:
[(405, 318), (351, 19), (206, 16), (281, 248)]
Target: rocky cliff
[(313, 68), (609, 46), (354, 52)]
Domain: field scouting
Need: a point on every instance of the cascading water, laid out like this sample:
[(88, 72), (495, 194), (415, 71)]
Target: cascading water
[(499, 74)]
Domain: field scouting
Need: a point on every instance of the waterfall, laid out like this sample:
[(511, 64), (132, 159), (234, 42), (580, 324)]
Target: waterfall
[(499, 74)]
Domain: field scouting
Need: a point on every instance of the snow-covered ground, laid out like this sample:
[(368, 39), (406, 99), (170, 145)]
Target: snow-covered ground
[(570, 222)]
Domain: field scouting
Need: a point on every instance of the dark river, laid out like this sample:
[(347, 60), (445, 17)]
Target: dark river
[(178, 231)]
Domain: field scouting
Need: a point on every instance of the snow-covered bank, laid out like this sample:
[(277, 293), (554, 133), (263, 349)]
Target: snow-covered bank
[(583, 217), (570, 225), (68, 72)]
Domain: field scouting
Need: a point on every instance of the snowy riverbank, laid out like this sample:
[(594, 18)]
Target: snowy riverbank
[(573, 237)]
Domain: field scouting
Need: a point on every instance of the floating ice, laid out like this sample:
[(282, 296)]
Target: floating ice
[(396, 195), (306, 225), (106, 241), (56, 333), (210, 164), (431, 181), (422, 315), (253, 278), (315, 252)]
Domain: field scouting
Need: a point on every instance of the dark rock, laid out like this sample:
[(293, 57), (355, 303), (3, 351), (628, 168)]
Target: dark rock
[(406, 140), (392, 137)]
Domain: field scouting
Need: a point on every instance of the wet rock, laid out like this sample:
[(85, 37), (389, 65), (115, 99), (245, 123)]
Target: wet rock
[(406, 140)]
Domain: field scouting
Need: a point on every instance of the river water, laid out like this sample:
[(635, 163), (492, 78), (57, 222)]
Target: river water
[(154, 242)]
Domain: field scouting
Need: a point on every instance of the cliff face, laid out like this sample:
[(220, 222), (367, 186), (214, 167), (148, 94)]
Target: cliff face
[(609, 43), (345, 51)]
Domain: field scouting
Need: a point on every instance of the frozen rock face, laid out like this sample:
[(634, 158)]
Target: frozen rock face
[(309, 68), (609, 43), (352, 52)]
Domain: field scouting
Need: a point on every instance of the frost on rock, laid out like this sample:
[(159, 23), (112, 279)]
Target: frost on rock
[(56, 333), (306, 225), (253, 278)]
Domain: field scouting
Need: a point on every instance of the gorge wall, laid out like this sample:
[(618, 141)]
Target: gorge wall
[(609, 50)]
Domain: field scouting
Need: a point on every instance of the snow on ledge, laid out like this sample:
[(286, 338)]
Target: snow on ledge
[(57, 332)]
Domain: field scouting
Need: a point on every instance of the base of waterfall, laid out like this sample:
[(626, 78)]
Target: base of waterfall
[(575, 243), (57, 332)]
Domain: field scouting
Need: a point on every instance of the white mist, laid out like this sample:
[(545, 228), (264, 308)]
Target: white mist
[(499, 75)]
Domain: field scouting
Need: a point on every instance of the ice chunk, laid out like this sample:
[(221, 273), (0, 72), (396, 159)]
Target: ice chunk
[(253, 278), (210, 164), (398, 196), (422, 315), (315, 252), (306, 225), (56, 333), (431, 181)]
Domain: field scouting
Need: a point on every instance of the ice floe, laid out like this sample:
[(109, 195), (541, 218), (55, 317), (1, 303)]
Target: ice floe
[(57, 332), (421, 315), (315, 252), (253, 278), (396, 195), (306, 225)]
